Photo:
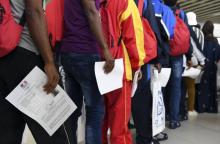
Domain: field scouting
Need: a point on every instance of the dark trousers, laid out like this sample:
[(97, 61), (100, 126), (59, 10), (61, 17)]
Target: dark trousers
[(142, 109), (183, 102), (13, 68), (80, 84)]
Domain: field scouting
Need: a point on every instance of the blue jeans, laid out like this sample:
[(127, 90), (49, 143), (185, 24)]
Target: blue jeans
[(175, 87), (80, 84)]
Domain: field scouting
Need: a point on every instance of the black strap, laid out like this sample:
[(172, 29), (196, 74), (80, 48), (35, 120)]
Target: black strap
[(2, 12), (23, 19), (119, 40)]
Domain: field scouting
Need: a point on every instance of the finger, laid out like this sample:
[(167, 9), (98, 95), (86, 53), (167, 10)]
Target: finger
[(108, 67), (54, 83), (159, 69), (47, 87), (140, 76)]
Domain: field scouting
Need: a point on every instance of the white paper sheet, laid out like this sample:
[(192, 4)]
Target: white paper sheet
[(135, 83), (163, 77), (158, 108), (112, 81), (192, 73), (49, 110)]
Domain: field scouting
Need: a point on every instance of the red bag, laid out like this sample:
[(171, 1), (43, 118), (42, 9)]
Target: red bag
[(55, 20), (10, 31), (181, 42), (112, 40), (150, 41)]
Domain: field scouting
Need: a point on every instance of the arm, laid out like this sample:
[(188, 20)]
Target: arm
[(198, 54), (96, 28), (196, 47), (150, 16), (37, 27), (132, 35)]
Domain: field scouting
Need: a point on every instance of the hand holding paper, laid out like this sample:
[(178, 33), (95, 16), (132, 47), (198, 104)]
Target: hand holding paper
[(135, 82), (49, 110), (111, 81), (163, 76)]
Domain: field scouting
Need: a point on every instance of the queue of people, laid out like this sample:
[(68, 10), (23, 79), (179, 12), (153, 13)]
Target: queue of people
[(146, 34)]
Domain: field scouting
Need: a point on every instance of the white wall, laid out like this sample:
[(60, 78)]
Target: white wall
[(217, 30)]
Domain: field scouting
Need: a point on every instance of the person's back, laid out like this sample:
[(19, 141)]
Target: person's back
[(33, 50), (176, 63), (80, 48), (199, 34), (192, 21), (207, 95), (126, 23), (78, 36), (166, 16), (18, 7)]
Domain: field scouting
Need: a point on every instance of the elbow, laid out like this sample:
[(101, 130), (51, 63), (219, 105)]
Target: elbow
[(33, 13), (91, 13)]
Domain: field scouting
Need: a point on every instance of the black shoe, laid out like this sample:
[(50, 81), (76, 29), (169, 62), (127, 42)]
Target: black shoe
[(131, 126), (183, 117), (161, 136), (174, 125), (154, 141)]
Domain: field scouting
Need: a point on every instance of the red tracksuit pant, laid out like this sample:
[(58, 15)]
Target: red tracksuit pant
[(117, 115)]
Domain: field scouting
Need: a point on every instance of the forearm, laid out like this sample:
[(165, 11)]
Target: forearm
[(37, 27)]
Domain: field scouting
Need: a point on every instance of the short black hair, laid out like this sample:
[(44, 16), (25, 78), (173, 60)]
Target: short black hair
[(208, 28), (170, 2)]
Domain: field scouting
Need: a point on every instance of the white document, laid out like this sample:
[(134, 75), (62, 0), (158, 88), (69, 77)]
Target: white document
[(163, 76), (135, 83), (192, 73), (158, 109), (49, 110), (199, 78), (111, 81)]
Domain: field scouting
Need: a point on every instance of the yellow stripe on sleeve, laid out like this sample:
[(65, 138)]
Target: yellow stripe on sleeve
[(139, 32)]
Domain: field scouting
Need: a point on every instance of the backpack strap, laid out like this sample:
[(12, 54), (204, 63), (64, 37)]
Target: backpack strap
[(177, 12), (2, 12), (23, 19), (103, 3), (140, 6), (119, 40)]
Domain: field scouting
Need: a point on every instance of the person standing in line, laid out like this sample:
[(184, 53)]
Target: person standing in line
[(83, 38), (175, 82), (142, 100), (207, 90), (198, 61), (128, 30), (33, 50)]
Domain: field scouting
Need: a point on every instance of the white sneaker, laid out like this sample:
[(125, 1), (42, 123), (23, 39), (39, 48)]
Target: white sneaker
[(195, 113), (192, 113)]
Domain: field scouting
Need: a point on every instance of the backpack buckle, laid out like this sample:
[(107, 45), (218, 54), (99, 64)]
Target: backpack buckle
[(2, 12)]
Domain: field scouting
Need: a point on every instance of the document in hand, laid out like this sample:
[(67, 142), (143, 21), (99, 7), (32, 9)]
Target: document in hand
[(163, 77), (112, 81), (135, 83), (49, 110), (192, 73)]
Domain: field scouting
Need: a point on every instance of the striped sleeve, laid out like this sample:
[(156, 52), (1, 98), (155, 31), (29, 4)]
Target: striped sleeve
[(132, 34)]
